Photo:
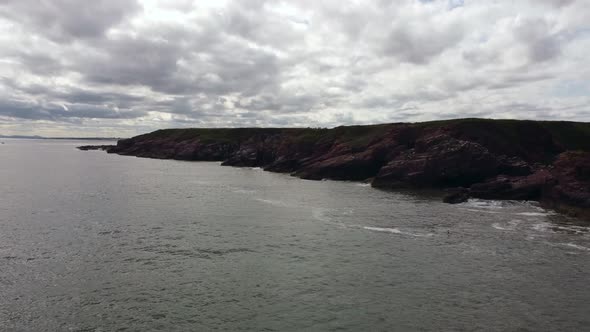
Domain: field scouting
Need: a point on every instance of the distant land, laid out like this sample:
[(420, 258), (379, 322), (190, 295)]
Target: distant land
[(75, 138), (545, 161)]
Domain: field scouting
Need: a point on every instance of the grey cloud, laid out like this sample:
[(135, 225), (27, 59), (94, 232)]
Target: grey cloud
[(239, 68), (417, 41), (541, 43), (255, 21), (195, 107), (80, 96), (73, 95), (66, 20), (96, 112), (480, 58), (282, 103), (513, 80), (181, 63), (131, 61), (56, 112), (37, 63), (556, 3), (399, 100)]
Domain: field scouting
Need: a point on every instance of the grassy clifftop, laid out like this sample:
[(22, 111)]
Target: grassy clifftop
[(571, 135), (514, 137)]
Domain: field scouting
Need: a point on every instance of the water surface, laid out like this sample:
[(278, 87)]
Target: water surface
[(97, 242)]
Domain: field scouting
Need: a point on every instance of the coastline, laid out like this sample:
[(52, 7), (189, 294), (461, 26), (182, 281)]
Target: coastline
[(543, 161)]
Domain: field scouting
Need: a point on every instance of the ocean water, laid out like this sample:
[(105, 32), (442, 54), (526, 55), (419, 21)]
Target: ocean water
[(97, 242)]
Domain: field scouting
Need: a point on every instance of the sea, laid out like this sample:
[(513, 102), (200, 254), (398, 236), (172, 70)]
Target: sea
[(91, 241)]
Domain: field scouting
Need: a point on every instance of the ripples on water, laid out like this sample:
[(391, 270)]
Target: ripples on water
[(97, 242)]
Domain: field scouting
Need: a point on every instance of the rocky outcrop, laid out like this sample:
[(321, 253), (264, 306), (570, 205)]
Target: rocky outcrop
[(570, 190), (528, 187), (95, 147), (456, 195), (492, 159), (438, 160)]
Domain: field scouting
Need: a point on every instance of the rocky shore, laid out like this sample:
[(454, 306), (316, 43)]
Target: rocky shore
[(543, 161)]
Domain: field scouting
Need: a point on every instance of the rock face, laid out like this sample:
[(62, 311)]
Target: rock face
[(95, 147), (570, 189), (492, 159), (438, 160), (456, 196)]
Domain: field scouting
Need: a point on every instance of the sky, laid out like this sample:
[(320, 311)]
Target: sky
[(125, 67)]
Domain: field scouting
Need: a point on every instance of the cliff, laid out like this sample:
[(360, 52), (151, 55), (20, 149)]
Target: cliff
[(545, 161)]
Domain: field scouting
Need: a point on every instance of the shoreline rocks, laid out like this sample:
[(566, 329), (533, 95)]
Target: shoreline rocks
[(491, 159)]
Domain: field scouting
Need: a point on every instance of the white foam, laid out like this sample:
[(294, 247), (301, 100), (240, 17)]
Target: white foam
[(244, 191), (549, 227), (363, 184), (576, 246), (393, 231), (533, 214), (484, 211), (541, 227), (379, 229), (320, 214), (484, 204), (273, 202), (510, 226), (573, 228), (497, 226)]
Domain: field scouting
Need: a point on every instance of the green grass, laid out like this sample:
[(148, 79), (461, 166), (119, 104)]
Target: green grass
[(502, 133), (354, 135), (572, 135)]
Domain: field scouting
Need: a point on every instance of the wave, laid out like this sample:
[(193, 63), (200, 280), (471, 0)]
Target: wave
[(576, 246), (534, 214), (320, 214), (484, 203), (379, 229), (574, 229), (243, 191), (541, 227), (274, 202), (510, 226), (393, 231), (485, 211), (556, 228)]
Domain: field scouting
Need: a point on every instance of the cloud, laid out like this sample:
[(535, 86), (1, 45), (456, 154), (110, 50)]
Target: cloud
[(60, 112), (131, 66), (417, 35), (67, 20), (537, 36)]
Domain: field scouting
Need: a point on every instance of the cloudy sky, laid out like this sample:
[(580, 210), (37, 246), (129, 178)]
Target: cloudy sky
[(123, 67)]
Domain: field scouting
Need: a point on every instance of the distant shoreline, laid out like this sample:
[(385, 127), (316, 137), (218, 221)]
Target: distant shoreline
[(65, 138)]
